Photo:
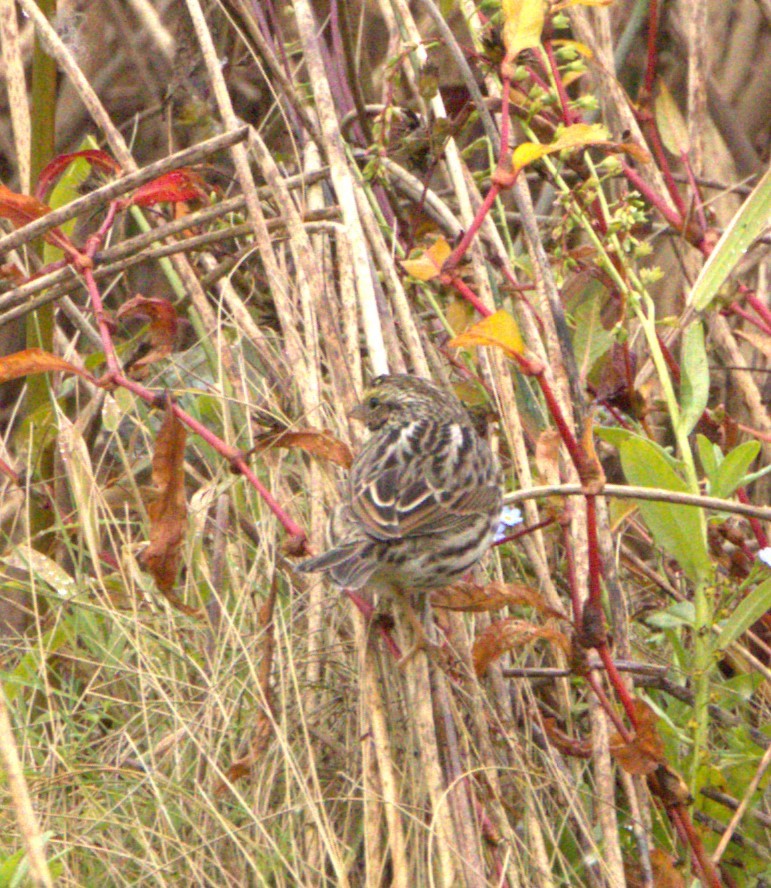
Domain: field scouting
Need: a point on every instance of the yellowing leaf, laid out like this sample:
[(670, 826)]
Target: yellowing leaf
[(672, 127), (522, 24), (429, 265), (499, 329), (576, 136)]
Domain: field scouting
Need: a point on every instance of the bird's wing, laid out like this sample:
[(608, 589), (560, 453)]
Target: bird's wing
[(419, 496)]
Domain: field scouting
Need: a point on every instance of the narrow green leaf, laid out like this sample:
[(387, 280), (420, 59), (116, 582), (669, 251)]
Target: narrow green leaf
[(676, 528), (694, 378), (707, 455), (731, 471), (750, 221), (749, 611)]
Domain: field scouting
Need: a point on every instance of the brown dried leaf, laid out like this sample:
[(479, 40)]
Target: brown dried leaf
[(168, 514), (510, 634), (473, 598), (645, 751), (566, 744), (318, 442), (547, 449), (35, 360), (164, 325), (665, 872)]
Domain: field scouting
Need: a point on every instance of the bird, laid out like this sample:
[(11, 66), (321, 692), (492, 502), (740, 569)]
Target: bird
[(422, 500)]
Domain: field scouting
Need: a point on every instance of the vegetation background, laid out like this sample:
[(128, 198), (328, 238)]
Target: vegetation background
[(202, 715)]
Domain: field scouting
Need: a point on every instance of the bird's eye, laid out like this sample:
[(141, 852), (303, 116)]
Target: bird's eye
[(373, 402)]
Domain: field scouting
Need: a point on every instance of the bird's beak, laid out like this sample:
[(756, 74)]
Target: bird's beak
[(358, 412)]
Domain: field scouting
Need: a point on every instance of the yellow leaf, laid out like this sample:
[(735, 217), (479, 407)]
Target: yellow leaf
[(576, 136), (672, 127), (522, 24), (429, 265), (499, 330)]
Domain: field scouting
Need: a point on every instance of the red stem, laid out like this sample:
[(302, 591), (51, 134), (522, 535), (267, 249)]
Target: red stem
[(568, 116)]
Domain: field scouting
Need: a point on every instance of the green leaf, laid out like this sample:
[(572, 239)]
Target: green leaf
[(590, 340), (749, 611), (731, 471), (694, 378), (709, 454), (750, 222), (676, 528)]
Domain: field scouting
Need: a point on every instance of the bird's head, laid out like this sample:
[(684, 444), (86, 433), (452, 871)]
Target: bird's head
[(400, 399)]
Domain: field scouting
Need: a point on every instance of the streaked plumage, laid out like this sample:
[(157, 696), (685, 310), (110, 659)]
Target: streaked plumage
[(423, 497)]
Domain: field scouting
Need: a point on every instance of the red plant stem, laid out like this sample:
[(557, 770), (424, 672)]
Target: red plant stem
[(367, 611), (654, 140), (568, 438), (607, 706), (758, 305), (669, 359), (116, 376), (698, 205), (653, 197), (757, 527), (653, 30), (689, 836), (531, 528), (568, 116), (614, 677), (458, 253), (736, 309), (595, 565), (452, 280)]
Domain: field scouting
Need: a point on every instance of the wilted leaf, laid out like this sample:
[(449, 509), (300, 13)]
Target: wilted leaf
[(10, 271), (473, 598), (168, 514), (511, 634), (522, 24), (665, 872), (35, 360), (182, 184), (566, 744), (429, 264), (51, 172), (645, 751), (578, 135), (499, 330), (318, 442), (21, 209), (164, 324), (547, 450)]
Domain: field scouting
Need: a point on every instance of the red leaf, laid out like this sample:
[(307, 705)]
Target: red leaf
[(164, 324), (168, 513), (22, 209), (178, 185), (51, 172), (35, 360)]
